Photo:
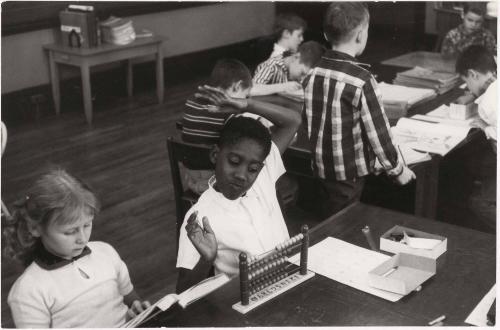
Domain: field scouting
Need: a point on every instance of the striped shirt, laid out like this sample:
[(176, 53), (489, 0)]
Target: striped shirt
[(271, 71), (346, 122), (200, 125)]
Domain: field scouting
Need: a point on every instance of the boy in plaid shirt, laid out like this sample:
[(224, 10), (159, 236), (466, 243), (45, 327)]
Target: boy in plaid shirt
[(345, 119)]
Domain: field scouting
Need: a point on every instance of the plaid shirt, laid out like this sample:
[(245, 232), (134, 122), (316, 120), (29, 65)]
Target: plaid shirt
[(271, 71), (346, 122), (458, 39)]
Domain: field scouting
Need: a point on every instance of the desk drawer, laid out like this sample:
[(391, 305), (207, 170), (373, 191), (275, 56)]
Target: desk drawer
[(65, 58)]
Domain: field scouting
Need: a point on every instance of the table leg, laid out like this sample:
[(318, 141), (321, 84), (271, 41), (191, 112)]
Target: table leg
[(87, 94), (54, 78), (426, 191), (159, 75), (130, 78)]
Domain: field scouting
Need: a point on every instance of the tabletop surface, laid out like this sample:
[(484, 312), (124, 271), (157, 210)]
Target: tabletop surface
[(465, 273), (430, 60), (104, 47)]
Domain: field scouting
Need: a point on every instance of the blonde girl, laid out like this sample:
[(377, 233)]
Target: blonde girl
[(69, 282)]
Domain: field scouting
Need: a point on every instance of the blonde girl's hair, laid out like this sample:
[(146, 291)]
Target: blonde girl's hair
[(55, 197)]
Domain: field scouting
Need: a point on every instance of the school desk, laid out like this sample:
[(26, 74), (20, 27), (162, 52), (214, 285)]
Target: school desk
[(465, 273), (429, 60), (85, 58)]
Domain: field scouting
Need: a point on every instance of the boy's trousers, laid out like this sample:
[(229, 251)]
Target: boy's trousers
[(340, 194)]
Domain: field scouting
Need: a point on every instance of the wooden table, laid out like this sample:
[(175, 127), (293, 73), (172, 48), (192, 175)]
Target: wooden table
[(429, 60), (84, 58), (465, 273)]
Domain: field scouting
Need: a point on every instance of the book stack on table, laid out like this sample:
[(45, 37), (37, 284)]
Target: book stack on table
[(117, 31), (441, 82)]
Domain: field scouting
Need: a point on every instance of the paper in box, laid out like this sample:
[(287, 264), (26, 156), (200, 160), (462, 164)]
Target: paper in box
[(403, 273), (389, 245)]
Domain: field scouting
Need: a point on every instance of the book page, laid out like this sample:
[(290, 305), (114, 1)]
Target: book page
[(426, 133), (201, 289), (163, 304), (346, 263)]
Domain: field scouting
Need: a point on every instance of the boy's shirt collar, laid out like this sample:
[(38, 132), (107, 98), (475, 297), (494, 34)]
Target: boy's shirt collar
[(49, 261), (331, 54)]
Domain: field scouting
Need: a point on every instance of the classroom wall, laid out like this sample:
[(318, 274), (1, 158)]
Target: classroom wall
[(24, 63), (430, 18)]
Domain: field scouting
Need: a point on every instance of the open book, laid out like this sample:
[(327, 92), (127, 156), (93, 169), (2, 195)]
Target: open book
[(425, 133), (184, 299)]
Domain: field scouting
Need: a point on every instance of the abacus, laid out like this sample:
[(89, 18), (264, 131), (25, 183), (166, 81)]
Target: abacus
[(268, 275)]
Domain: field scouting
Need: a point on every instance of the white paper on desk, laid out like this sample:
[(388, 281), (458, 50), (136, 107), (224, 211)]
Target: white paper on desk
[(421, 243), (478, 316), (442, 115), (346, 263)]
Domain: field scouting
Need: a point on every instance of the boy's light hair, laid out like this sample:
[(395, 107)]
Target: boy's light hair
[(289, 22), (310, 53), (477, 58), (226, 72), (341, 20)]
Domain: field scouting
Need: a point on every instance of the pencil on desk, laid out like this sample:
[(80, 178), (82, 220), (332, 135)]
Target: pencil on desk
[(402, 157)]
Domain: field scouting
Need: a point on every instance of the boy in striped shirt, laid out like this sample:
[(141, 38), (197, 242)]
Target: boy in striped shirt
[(345, 119), (202, 125), (283, 73)]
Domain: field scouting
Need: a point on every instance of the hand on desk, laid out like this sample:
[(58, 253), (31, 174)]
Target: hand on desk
[(203, 239), (291, 86), (221, 101), (405, 177), (467, 98), (137, 308)]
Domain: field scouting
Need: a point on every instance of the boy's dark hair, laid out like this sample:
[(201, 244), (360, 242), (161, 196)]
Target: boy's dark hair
[(342, 18), (288, 21), (226, 72), (239, 127), (476, 58), (474, 8), (310, 53)]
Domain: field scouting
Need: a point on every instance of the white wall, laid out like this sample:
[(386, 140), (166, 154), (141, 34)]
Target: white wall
[(24, 63)]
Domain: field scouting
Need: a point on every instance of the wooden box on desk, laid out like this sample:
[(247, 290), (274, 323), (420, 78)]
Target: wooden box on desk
[(389, 245), (462, 111), (403, 273)]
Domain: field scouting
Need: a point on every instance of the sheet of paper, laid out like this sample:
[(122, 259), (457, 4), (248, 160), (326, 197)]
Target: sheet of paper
[(428, 134), (421, 243), (478, 316), (346, 263), (403, 94)]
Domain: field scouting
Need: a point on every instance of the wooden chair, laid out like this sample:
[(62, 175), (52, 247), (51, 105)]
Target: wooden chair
[(193, 157)]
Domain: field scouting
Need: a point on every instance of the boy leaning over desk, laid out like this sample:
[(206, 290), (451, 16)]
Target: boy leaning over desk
[(346, 122)]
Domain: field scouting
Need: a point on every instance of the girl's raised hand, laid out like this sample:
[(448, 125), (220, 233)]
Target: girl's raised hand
[(221, 102)]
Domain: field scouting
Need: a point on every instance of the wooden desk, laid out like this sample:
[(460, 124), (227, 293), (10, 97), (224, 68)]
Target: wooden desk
[(84, 58), (465, 273), (429, 60)]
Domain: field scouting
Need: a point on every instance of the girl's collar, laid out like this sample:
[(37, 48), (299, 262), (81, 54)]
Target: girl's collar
[(49, 261)]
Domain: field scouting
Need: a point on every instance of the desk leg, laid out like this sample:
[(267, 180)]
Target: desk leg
[(54, 78), (87, 94), (130, 78), (426, 191), (160, 88)]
